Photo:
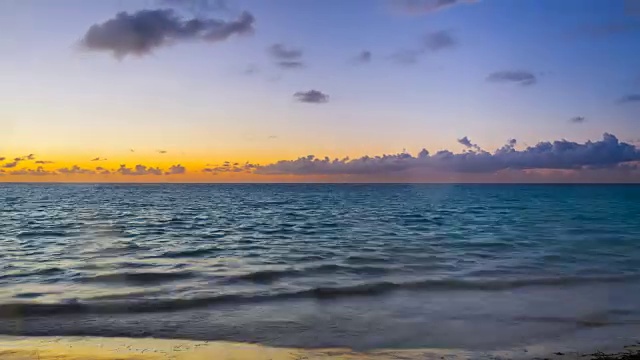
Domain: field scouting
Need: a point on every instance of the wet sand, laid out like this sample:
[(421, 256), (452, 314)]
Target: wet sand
[(96, 348)]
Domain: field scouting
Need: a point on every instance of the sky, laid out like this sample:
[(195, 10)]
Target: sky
[(320, 91)]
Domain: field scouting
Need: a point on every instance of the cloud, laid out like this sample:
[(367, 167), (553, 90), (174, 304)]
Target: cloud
[(559, 155), (131, 150), (75, 170), (197, 6), (468, 144), (578, 119), (138, 170), (629, 98), (2, 158), (311, 96), (364, 57), (406, 56), (39, 171), (432, 42), (228, 167), (102, 171), (161, 151), (439, 40), (426, 6), (272, 137), (25, 158), (10, 165), (142, 32), (521, 77), (251, 69), (286, 57), (281, 52), (176, 170), (43, 162), (290, 64), (98, 159)]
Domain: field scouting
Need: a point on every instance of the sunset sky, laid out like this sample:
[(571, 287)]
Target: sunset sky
[(226, 91)]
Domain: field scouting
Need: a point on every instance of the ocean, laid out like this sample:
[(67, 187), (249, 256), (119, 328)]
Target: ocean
[(476, 267)]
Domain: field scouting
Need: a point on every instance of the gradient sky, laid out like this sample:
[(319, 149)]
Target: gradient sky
[(491, 70)]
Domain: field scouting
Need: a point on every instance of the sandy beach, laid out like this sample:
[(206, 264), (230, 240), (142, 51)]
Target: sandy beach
[(97, 348)]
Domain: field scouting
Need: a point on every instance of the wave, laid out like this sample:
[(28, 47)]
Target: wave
[(187, 253), (18, 310), (141, 278), (39, 272), (267, 276)]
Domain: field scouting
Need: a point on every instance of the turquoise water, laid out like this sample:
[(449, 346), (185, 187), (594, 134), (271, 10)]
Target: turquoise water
[(470, 266)]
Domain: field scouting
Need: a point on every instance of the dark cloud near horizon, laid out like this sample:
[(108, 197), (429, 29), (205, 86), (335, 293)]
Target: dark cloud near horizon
[(176, 170), (142, 32), (44, 162), (311, 96), (561, 154), (629, 98), (98, 159), (138, 170), (161, 151), (577, 119), (228, 167), (426, 6), (76, 170), (521, 77), (10, 165), (2, 158), (39, 171)]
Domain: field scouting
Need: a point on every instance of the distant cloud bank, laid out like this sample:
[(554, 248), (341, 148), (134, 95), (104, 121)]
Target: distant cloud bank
[(605, 156), (561, 154)]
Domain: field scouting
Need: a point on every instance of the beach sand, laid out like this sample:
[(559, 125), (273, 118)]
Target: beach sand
[(96, 348), (89, 348)]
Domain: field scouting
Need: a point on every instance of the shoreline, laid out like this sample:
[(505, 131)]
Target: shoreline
[(102, 348)]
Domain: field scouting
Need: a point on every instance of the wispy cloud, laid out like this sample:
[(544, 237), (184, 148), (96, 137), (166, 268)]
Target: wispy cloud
[(432, 42), (44, 162), (521, 77), (286, 57), (197, 6), (311, 96), (577, 119), (98, 159), (10, 165), (629, 98), (439, 40), (426, 6), (139, 33), (161, 151), (364, 57)]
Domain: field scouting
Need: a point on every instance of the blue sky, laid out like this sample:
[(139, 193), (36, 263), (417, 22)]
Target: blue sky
[(195, 98)]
